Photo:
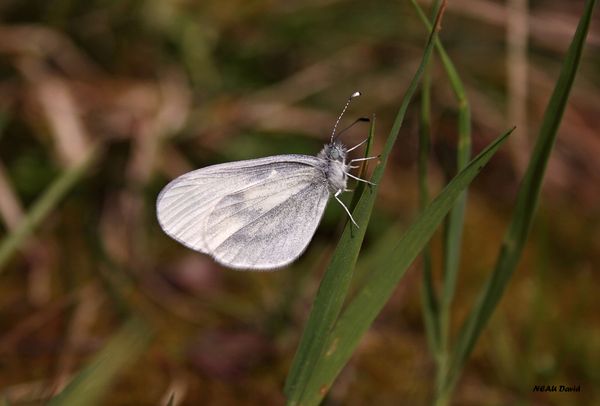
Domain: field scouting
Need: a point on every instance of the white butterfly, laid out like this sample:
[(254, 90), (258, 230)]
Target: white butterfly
[(258, 214)]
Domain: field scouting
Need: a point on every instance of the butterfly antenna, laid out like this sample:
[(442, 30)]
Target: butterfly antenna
[(355, 94)]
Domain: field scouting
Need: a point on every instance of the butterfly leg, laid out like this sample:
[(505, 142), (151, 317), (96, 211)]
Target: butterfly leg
[(357, 145), (365, 159), (344, 206), (359, 179), (361, 160)]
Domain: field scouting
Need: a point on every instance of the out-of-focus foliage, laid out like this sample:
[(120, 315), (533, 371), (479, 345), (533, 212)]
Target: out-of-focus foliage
[(152, 89)]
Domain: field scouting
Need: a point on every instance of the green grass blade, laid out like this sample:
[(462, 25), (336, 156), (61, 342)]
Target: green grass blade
[(527, 199), (456, 218), (89, 385), (371, 298), (429, 298), (336, 281), (455, 221), (43, 206), (332, 292)]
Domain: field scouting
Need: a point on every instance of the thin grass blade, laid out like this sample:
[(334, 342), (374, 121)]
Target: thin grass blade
[(527, 200), (429, 300), (360, 187), (455, 222)]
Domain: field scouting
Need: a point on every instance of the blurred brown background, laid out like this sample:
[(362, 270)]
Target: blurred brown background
[(147, 90)]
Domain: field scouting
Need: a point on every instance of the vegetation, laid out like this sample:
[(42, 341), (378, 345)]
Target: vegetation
[(103, 102)]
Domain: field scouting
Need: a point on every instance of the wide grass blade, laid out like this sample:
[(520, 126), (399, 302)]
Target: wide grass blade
[(90, 385), (373, 295), (527, 199), (332, 292), (336, 281)]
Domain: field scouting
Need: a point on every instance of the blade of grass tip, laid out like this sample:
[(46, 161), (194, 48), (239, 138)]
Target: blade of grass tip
[(336, 281), (527, 199), (429, 301), (332, 292), (89, 386), (455, 221), (364, 167), (370, 299), (44, 205)]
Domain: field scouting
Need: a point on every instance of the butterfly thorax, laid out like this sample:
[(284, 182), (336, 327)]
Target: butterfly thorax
[(334, 165)]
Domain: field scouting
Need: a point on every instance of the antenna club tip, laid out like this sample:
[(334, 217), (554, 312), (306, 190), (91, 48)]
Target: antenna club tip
[(355, 94)]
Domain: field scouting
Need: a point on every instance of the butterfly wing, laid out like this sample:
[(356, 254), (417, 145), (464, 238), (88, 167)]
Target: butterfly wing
[(185, 205), (267, 225)]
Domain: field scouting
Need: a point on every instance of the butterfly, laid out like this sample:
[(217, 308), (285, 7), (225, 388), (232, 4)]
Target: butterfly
[(257, 214)]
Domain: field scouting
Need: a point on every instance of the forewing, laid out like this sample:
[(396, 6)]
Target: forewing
[(268, 225), (183, 206)]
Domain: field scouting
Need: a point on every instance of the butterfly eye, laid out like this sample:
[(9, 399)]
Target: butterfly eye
[(336, 153)]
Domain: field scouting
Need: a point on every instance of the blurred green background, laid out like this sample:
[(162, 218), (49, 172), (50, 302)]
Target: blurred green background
[(143, 91)]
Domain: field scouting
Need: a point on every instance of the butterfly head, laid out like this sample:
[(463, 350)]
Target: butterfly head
[(334, 151)]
